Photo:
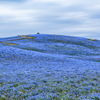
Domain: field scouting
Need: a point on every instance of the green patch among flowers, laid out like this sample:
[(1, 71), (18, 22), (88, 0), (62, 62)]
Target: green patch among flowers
[(93, 39), (11, 43), (28, 37)]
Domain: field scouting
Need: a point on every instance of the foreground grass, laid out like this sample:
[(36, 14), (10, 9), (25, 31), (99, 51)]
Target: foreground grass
[(68, 88)]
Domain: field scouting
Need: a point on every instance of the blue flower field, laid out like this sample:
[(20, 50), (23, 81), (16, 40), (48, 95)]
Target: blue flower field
[(49, 67)]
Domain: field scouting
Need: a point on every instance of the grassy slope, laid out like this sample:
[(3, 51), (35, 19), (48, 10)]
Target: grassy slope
[(49, 67)]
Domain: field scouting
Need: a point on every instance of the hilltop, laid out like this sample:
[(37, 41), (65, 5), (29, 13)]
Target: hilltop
[(43, 66)]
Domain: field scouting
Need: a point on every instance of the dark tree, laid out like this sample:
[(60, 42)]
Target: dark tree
[(38, 33)]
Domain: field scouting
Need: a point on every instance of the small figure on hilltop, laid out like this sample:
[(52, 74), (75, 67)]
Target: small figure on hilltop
[(38, 33)]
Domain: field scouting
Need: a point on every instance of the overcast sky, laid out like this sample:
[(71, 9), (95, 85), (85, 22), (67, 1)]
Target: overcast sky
[(62, 17)]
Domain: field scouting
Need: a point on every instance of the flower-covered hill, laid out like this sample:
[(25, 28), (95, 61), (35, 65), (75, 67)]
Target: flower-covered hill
[(41, 66)]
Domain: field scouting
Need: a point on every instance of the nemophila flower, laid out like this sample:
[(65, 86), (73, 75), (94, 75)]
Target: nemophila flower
[(33, 69)]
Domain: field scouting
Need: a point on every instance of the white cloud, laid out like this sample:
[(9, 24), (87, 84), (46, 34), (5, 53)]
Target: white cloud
[(14, 14), (51, 16)]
